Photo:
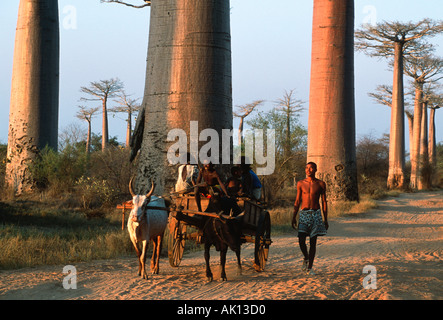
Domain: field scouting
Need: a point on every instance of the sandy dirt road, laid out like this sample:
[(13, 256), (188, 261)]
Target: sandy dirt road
[(402, 239)]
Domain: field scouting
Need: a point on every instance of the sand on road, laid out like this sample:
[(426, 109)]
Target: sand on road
[(401, 240)]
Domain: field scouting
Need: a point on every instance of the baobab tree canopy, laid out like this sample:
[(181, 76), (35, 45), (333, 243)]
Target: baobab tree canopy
[(379, 40), (101, 91)]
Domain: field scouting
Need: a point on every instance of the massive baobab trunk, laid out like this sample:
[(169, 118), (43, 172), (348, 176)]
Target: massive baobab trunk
[(33, 117), (188, 79), (396, 174), (331, 126)]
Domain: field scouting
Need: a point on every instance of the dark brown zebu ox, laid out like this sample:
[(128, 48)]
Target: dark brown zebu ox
[(223, 231)]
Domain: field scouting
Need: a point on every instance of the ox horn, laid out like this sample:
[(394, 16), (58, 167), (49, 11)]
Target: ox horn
[(130, 187), (152, 189)]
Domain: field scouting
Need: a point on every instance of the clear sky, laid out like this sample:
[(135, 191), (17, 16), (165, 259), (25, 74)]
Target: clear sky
[(271, 46)]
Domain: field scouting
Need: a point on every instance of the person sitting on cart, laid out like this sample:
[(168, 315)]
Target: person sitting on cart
[(234, 184), (187, 175), (251, 183), (211, 183), (234, 188)]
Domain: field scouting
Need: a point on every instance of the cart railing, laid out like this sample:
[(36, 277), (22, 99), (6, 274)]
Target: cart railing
[(251, 218), (128, 206), (253, 212)]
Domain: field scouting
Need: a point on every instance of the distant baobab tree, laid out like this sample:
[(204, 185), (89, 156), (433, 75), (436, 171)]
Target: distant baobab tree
[(396, 39), (433, 95), (136, 138), (130, 107), (383, 95), (102, 91), (86, 114), (242, 112), (432, 100), (424, 69), (33, 116), (432, 141), (331, 124)]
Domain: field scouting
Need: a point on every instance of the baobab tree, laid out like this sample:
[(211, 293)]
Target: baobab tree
[(102, 91), (33, 116), (242, 112), (188, 82), (396, 39), (331, 124), (383, 95), (423, 70), (136, 139), (130, 107), (432, 141), (434, 100), (433, 145), (86, 114), (188, 86)]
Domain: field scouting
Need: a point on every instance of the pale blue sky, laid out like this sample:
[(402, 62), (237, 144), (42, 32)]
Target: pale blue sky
[(271, 45)]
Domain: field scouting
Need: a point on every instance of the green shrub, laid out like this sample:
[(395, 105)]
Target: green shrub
[(59, 170), (94, 192)]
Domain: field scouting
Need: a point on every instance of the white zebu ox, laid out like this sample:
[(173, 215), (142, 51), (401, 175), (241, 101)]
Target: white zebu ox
[(145, 225)]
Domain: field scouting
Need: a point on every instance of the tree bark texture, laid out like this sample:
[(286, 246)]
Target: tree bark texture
[(188, 79), (105, 134), (129, 129), (88, 139), (33, 116), (433, 148), (331, 124), (415, 152), (410, 118), (424, 179), (396, 173)]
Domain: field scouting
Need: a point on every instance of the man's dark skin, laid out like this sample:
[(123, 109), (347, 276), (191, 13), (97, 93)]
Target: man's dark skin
[(210, 178), (309, 193)]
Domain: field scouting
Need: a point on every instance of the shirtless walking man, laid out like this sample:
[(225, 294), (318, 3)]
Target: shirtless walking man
[(309, 192)]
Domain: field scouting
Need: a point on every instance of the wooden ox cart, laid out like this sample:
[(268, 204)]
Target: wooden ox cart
[(256, 228)]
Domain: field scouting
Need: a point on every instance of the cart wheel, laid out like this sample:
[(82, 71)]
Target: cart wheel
[(262, 242), (176, 242)]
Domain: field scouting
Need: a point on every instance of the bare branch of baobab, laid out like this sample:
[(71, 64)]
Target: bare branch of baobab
[(147, 3)]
